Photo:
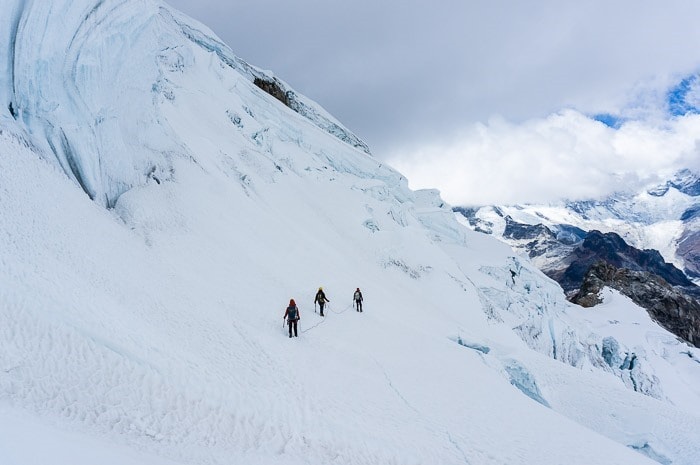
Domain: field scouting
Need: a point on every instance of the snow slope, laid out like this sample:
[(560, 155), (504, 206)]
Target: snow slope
[(67, 82), (152, 331)]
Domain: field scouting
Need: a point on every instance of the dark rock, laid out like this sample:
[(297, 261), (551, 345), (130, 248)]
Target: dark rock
[(469, 213), (691, 213), (273, 88), (672, 307), (537, 239), (478, 224), (612, 249), (520, 231)]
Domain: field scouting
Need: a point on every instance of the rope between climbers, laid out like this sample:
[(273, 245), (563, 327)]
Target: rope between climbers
[(324, 318)]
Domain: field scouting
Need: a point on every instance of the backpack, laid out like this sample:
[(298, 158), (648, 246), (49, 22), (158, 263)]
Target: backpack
[(358, 296), (292, 313)]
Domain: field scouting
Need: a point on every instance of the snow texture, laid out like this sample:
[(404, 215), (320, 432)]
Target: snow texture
[(151, 331), (103, 121)]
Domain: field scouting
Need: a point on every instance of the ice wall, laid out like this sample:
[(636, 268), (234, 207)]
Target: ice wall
[(86, 79)]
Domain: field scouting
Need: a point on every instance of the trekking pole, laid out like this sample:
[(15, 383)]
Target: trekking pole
[(314, 307), (283, 318)]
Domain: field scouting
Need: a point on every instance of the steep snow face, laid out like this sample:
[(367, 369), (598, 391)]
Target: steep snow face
[(87, 79), (154, 327)]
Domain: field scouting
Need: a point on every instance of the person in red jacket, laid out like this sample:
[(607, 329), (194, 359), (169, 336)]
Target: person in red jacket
[(292, 315)]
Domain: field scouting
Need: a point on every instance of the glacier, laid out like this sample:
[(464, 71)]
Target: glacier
[(102, 120), (157, 211)]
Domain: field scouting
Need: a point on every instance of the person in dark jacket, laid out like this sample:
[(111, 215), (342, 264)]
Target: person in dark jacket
[(321, 299), (292, 315), (357, 297)]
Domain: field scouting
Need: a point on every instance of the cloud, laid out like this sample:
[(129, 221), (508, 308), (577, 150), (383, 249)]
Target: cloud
[(418, 81), (412, 72), (566, 155)]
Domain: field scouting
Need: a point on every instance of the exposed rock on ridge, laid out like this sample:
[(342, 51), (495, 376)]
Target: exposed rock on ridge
[(612, 249), (670, 306)]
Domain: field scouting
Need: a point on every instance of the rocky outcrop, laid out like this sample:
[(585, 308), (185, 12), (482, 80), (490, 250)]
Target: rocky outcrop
[(670, 306), (273, 88), (583, 263), (536, 239), (477, 224), (642, 275), (519, 231), (612, 249)]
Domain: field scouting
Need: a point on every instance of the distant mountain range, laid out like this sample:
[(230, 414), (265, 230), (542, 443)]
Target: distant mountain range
[(653, 234)]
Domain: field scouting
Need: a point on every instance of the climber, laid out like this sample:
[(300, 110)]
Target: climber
[(321, 299), (292, 315), (357, 297)]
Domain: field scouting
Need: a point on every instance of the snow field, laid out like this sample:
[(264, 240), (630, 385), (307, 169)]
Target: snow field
[(154, 329), (158, 358)]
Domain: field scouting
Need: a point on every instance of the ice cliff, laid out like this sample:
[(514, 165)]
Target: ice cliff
[(78, 74)]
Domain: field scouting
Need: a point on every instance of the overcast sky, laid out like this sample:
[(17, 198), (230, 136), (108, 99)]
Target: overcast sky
[(488, 101)]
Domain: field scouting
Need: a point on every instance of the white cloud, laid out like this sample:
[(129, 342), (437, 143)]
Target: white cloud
[(408, 73), (566, 155), (409, 79)]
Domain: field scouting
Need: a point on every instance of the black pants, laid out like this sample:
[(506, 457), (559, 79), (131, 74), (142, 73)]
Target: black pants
[(320, 305), (292, 323), (358, 304)]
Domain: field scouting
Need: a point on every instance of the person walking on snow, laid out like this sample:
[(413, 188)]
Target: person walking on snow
[(357, 297), (321, 299), (292, 315)]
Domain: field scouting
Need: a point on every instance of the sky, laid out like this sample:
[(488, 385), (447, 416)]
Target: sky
[(490, 102)]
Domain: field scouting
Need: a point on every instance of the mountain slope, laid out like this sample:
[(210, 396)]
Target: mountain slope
[(153, 328), (661, 217), (176, 347), (101, 120), (554, 237), (611, 249)]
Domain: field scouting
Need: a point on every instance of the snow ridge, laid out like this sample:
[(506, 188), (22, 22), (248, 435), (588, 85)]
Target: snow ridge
[(63, 79)]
